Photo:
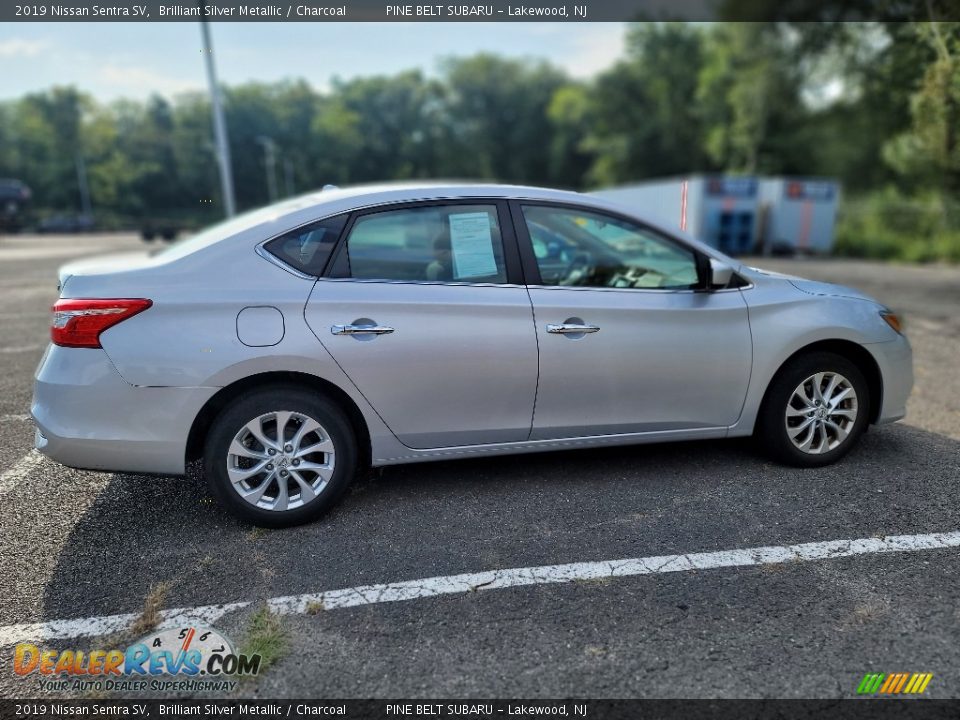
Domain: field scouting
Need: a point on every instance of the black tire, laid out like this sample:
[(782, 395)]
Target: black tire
[(267, 400), (771, 429)]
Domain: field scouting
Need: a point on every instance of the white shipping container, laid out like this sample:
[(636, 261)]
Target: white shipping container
[(799, 214), (722, 211)]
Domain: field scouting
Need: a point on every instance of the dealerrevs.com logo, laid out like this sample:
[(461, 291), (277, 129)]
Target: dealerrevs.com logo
[(178, 659)]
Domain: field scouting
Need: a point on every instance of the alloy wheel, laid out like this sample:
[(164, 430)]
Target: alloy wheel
[(821, 413), (280, 460)]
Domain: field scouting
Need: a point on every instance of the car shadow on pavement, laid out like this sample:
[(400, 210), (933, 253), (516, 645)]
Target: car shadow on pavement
[(429, 519)]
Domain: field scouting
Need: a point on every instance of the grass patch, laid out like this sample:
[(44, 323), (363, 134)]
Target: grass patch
[(315, 607), (605, 580), (150, 616), (869, 612), (265, 637)]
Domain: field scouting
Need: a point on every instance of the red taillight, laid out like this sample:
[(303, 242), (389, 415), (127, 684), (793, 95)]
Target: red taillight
[(78, 323)]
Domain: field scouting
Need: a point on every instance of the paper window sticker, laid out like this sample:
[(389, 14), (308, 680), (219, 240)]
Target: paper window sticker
[(471, 243)]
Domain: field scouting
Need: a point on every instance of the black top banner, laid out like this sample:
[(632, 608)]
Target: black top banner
[(480, 10)]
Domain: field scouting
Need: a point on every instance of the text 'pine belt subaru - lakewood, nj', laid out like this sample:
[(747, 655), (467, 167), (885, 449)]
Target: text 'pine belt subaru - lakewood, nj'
[(286, 348)]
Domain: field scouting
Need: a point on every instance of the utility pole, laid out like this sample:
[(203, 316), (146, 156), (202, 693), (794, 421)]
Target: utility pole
[(288, 176), (270, 163), (85, 206), (219, 124)]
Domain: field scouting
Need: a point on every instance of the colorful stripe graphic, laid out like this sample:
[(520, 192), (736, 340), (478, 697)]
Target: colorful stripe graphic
[(894, 683)]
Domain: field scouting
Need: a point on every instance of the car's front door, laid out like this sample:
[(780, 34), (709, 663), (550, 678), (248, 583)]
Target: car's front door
[(425, 313), (627, 343)]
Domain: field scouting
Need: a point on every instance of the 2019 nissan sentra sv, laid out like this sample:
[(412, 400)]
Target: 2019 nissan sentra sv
[(393, 324)]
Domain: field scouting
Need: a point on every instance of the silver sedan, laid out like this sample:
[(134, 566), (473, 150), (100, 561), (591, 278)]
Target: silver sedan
[(284, 349)]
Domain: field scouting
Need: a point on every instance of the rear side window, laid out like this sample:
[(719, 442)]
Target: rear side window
[(308, 248), (448, 243)]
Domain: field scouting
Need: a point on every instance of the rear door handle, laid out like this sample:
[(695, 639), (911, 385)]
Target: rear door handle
[(571, 329), (361, 330)]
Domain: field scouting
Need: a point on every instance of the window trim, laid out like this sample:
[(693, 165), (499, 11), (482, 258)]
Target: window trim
[(531, 268), (338, 266), (262, 251), (282, 264)]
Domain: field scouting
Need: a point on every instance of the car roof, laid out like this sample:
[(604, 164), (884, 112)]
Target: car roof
[(333, 200), (364, 195)]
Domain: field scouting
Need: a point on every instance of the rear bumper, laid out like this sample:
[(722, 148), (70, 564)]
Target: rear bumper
[(895, 360), (88, 417)]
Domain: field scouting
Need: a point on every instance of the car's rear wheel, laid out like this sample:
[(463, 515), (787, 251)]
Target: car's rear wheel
[(280, 456), (815, 409)]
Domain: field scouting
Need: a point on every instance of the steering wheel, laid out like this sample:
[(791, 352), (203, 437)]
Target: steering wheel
[(579, 267), (658, 279)]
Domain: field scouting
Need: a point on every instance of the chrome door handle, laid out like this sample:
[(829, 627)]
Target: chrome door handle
[(571, 329), (361, 330)]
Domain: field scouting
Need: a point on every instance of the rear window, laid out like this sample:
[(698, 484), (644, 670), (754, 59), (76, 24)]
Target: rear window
[(235, 225), (308, 248)]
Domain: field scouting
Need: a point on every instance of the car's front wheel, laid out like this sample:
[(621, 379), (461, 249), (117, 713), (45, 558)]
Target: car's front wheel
[(815, 409), (280, 456)]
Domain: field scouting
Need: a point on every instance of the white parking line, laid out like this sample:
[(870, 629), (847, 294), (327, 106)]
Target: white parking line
[(24, 314), (492, 580), (20, 349), (37, 253), (19, 472)]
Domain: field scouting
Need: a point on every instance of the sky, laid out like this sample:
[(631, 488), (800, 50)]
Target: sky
[(133, 60)]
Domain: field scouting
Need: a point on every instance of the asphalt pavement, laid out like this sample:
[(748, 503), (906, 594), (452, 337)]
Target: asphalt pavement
[(79, 545)]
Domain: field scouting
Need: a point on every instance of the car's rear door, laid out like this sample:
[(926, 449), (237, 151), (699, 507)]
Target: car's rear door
[(628, 343), (425, 311)]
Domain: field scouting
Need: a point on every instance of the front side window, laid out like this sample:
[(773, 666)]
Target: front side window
[(579, 248), (308, 248), (448, 243)]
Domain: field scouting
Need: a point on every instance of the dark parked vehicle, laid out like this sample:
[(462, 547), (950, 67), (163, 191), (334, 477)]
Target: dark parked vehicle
[(66, 224), (14, 196), (164, 229)]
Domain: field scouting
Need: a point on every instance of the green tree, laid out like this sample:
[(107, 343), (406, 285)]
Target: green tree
[(749, 93), (391, 124), (571, 116), (645, 117), (497, 110), (929, 150), (195, 157), (46, 132)]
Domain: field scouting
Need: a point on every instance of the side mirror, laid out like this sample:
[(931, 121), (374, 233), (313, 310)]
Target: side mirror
[(720, 274)]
